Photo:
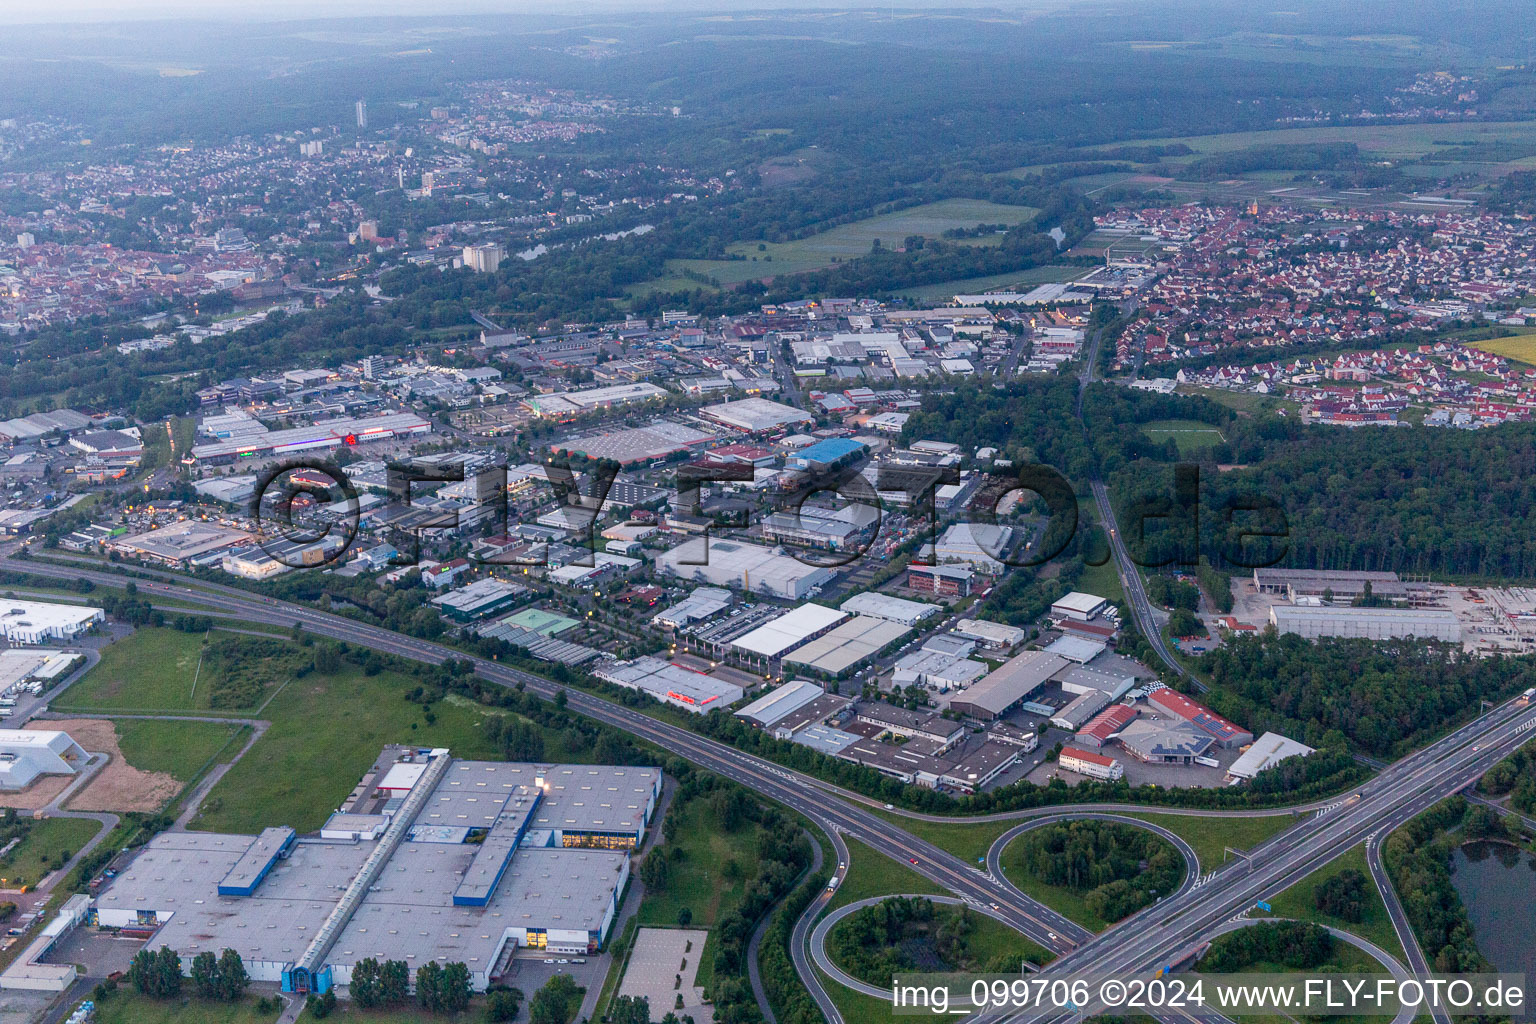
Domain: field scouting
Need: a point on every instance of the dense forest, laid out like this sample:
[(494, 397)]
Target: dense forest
[(1116, 868), (1383, 698)]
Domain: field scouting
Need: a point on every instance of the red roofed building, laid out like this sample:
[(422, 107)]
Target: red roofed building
[(1086, 762), (1201, 717), (1106, 724)]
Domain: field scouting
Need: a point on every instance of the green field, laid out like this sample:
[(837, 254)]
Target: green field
[(179, 749), (150, 670), (1298, 902), (989, 938), (850, 241), (43, 848), (127, 1007), (1519, 348), (1208, 836), (1060, 898), (1188, 435), (703, 880), (326, 731), (945, 290), (874, 874), (1392, 141), (1103, 580)]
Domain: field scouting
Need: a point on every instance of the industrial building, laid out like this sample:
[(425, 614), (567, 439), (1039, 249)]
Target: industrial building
[(936, 670), (1106, 726), (780, 702), (1079, 607), (756, 415), (824, 456), (479, 599), (632, 445), (37, 622), (572, 403), (748, 567), (992, 635), (323, 434), (944, 580), (671, 684), (823, 529), (980, 546), (1266, 752), (26, 754), (1008, 685), (782, 634), (883, 606), (1086, 762), (703, 603), (1163, 741), (848, 645), (1314, 621), (1342, 584), (479, 858), (1225, 733), (180, 543), (1076, 648)]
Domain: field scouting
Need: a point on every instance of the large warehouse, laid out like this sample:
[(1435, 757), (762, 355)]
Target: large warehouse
[(1314, 621), (848, 645), (1008, 685), (36, 622), (671, 684), (322, 434), (477, 859), (782, 634), (750, 567), (755, 415)]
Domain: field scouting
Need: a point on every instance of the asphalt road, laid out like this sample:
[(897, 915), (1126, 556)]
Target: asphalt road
[(1401, 791)]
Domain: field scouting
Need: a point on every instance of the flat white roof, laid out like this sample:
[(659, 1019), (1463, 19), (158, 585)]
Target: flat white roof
[(883, 606), (777, 703), (1268, 750), (849, 643), (792, 628), (1077, 601)]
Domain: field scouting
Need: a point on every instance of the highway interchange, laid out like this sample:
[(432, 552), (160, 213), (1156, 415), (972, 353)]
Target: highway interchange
[(1137, 946), (1395, 795)]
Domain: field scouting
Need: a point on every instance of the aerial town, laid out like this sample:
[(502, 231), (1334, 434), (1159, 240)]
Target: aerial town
[(700, 518)]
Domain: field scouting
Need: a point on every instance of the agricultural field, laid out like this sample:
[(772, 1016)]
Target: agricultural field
[(1020, 279), (1519, 347), (850, 241), (1189, 435), (150, 670), (179, 749)]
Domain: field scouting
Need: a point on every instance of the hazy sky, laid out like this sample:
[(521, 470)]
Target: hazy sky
[(14, 11)]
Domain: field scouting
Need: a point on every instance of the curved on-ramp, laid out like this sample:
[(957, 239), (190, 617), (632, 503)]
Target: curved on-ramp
[(824, 961), (1191, 859)]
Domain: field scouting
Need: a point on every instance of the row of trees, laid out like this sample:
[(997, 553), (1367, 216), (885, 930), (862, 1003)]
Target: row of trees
[(157, 974), (1418, 855), (1293, 945)]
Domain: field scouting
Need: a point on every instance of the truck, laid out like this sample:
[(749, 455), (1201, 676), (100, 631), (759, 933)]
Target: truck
[(1525, 698)]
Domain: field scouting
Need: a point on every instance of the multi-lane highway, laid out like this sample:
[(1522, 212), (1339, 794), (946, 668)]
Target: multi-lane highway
[(1399, 792)]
